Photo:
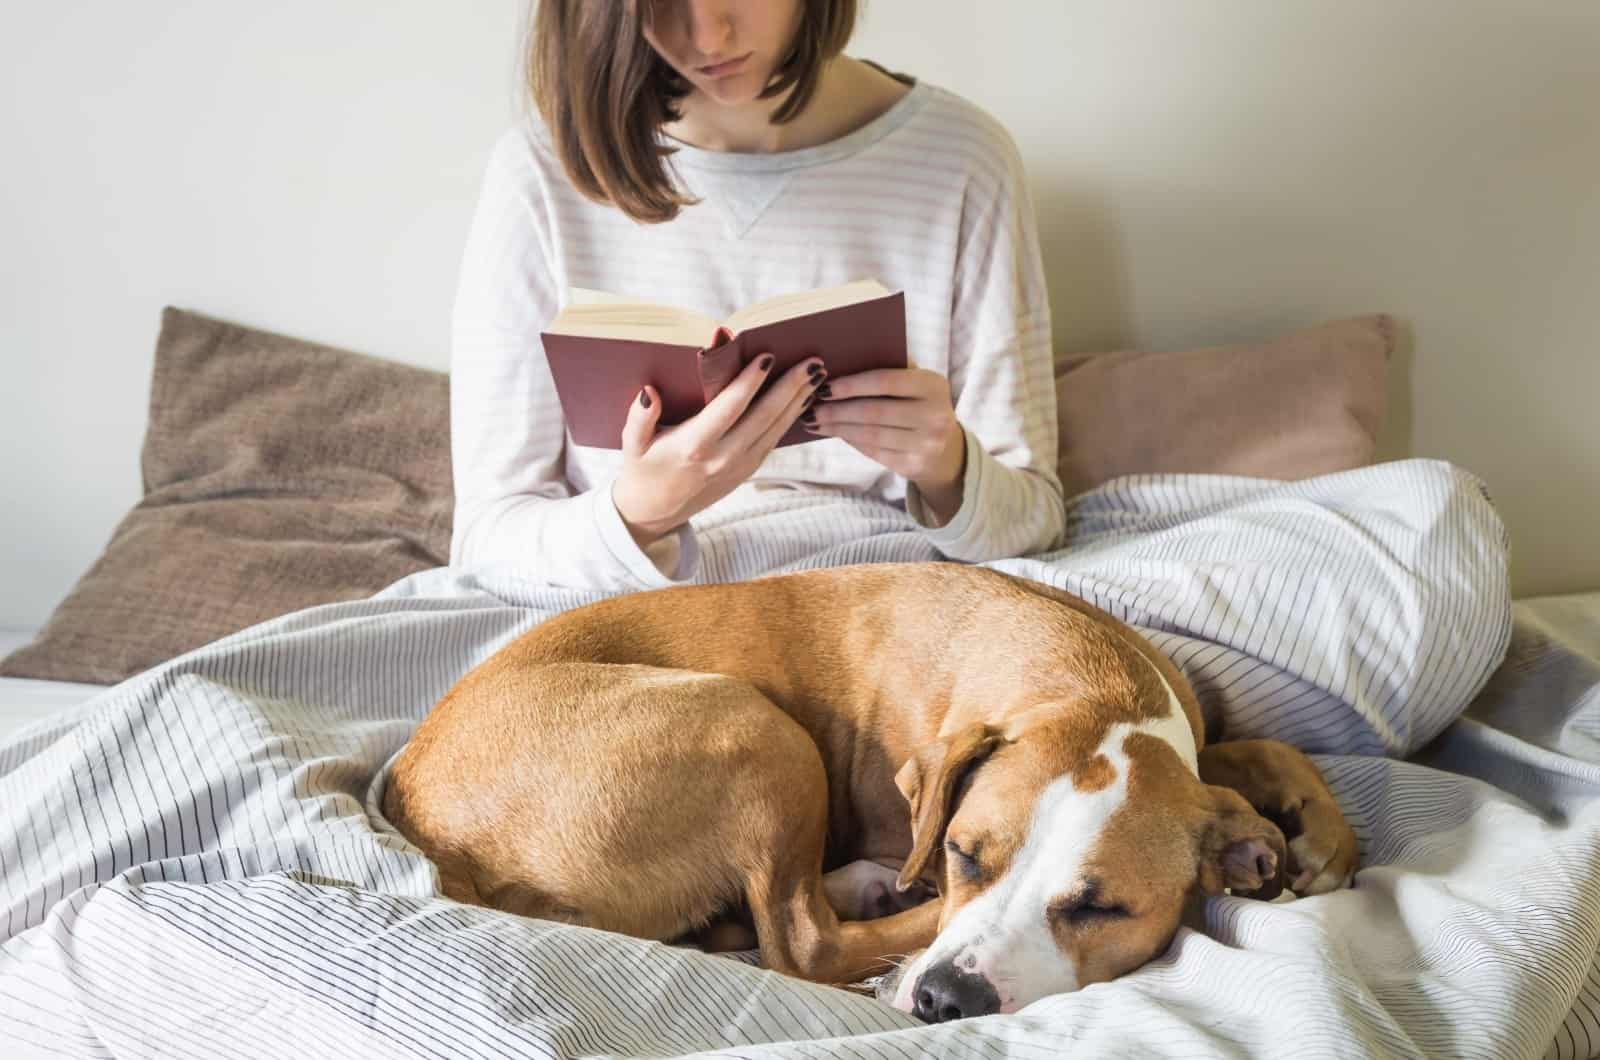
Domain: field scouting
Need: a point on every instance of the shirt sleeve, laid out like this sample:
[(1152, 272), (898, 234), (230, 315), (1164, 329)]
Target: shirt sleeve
[(513, 504), (1002, 376)]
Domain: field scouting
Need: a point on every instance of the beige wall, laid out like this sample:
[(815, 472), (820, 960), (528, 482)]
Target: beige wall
[(1215, 170), (1204, 170)]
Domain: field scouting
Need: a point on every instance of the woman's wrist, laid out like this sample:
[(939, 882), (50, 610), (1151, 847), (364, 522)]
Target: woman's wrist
[(942, 494), (641, 537), (643, 531)]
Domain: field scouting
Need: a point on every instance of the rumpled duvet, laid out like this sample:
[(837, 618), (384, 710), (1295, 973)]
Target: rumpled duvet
[(193, 864)]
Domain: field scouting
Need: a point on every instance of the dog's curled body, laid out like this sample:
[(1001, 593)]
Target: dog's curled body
[(644, 763)]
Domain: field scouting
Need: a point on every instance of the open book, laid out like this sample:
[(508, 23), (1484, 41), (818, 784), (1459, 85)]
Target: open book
[(603, 349)]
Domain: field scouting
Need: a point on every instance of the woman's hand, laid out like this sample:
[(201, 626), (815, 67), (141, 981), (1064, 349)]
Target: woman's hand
[(902, 418), (669, 475)]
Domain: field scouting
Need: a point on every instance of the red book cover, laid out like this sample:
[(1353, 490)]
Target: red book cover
[(597, 378)]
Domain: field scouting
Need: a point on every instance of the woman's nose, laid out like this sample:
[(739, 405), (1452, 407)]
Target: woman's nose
[(711, 25)]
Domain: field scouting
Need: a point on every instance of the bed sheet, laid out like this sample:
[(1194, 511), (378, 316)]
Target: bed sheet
[(214, 819), (23, 701)]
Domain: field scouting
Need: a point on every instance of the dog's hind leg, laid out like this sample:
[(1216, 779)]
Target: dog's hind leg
[(799, 931), (641, 800), (801, 934)]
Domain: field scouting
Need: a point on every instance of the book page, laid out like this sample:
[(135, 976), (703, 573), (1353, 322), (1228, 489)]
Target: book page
[(603, 315), (801, 303)]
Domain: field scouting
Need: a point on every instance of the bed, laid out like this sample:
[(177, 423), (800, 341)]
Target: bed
[(23, 700), (211, 825)]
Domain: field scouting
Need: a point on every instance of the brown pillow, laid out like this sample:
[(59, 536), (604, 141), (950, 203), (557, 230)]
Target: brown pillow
[(278, 474), (1305, 404)]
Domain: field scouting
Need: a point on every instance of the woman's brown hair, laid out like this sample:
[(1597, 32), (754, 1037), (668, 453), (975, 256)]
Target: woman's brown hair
[(604, 92)]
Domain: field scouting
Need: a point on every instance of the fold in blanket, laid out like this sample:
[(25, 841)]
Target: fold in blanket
[(190, 862)]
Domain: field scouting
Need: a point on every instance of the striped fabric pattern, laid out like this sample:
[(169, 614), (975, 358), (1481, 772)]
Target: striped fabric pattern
[(930, 198), (191, 864)]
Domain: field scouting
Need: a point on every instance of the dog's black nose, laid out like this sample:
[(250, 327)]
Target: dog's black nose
[(945, 992)]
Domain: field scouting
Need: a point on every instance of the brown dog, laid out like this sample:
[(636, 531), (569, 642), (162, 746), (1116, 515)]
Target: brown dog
[(650, 762)]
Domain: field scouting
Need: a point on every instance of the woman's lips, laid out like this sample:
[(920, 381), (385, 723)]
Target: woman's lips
[(724, 69)]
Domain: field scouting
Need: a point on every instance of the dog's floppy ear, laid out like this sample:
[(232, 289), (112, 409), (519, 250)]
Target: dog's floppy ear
[(1239, 849), (928, 780)]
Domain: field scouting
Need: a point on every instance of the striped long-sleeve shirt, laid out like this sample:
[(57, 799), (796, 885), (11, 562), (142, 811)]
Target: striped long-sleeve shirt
[(930, 198)]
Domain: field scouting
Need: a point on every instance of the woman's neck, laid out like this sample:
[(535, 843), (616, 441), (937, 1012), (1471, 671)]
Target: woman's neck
[(849, 94)]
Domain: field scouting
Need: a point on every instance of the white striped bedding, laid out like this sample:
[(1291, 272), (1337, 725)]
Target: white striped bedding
[(190, 865)]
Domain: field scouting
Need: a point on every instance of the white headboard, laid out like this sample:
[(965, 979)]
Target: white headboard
[(1204, 171)]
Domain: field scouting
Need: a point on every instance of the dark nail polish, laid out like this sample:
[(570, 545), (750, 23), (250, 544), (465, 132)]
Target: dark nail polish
[(765, 362), (809, 419), (644, 399), (816, 370), (824, 391)]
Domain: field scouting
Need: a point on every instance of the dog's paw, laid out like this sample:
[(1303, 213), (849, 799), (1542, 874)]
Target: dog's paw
[(1322, 852), (886, 900), (865, 890), (1288, 789)]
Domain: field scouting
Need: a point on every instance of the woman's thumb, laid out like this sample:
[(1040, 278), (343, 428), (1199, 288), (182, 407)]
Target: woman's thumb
[(640, 425)]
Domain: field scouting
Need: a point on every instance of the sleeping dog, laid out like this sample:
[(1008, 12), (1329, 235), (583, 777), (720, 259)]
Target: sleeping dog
[(813, 750)]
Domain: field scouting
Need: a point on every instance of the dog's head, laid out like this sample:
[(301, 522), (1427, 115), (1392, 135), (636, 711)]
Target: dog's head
[(1066, 853)]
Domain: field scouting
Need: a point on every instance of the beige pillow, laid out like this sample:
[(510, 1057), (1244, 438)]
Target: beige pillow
[(1309, 403), (278, 474)]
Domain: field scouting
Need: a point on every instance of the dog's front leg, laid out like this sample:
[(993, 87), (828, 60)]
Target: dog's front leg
[(1287, 787)]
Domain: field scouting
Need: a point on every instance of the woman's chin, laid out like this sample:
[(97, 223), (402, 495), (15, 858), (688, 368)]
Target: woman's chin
[(743, 87)]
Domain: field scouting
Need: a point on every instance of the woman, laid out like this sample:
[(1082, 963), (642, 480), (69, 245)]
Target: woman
[(713, 153)]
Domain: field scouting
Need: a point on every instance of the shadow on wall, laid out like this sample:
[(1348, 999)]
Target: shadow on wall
[(1083, 264), (1395, 440)]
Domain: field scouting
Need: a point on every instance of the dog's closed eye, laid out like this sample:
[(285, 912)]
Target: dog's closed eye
[(1088, 906), (965, 861)]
